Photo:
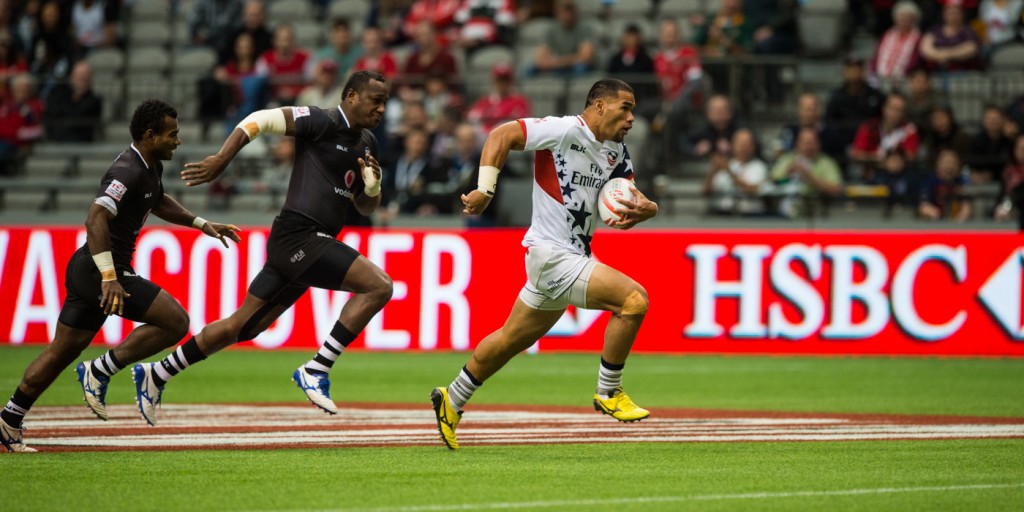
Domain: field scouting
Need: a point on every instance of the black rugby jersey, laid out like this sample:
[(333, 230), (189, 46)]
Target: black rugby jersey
[(129, 189), (326, 175)]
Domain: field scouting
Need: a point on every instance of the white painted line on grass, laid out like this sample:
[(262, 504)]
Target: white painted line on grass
[(678, 499)]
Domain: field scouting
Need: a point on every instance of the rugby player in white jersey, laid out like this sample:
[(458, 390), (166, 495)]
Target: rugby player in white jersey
[(575, 156)]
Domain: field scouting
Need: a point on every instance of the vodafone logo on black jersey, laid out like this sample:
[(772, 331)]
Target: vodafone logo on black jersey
[(350, 178)]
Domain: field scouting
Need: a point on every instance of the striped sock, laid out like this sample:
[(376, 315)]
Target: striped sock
[(187, 354), (333, 346), (609, 378), (107, 364), (17, 408), (462, 388)]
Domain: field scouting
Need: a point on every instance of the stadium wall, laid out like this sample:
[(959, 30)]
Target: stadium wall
[(744, 291)]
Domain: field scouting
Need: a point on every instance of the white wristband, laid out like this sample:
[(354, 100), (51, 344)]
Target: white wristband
[(487, 181), (371, 182), (105, 263), (198, 222)]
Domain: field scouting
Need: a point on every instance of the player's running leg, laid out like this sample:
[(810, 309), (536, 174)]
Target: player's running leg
[(150, 378), (613, 291), (68, 344), (522, 329), (371, 289)]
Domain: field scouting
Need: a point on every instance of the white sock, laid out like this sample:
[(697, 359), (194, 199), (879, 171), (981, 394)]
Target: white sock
[(462, 388), (609, 378)]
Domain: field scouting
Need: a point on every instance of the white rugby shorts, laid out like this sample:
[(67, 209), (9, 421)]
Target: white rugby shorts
[(556, 278)]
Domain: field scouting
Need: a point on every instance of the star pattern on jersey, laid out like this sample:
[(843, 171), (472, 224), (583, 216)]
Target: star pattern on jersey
[(560, 164), (579, 228), (567, 190)]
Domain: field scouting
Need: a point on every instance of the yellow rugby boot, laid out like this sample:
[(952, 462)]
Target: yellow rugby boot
[(620, 407), (447, 417)]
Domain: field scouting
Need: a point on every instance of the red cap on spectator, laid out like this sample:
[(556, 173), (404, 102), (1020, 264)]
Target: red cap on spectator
[(328, 65), (502, 70)]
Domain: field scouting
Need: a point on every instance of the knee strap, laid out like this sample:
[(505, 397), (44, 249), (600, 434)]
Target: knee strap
[(635, 304)]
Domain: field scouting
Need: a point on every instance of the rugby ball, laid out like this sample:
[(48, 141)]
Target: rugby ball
[(608, 204)]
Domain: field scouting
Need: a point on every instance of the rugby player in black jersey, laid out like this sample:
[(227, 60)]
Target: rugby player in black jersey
[(100, 280), (335, 172)]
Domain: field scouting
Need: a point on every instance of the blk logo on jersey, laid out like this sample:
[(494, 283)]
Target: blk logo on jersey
[(576, 147), (342, 148)]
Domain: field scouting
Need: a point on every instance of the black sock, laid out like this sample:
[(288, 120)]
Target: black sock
[(184, 356), (16, 408)]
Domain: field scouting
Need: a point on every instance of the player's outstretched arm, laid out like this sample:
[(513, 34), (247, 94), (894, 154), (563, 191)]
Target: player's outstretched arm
[(97, 237), (499, 143), (172, 211), (277, 120), (637, 211)]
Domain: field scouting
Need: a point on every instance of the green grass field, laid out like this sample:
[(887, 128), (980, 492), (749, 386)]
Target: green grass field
[(860, 475)]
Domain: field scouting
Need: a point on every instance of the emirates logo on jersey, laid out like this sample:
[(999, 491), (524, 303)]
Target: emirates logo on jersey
[(350, 178)]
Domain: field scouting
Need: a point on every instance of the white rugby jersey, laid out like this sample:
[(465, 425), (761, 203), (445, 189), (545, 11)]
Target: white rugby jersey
[(570, 166)]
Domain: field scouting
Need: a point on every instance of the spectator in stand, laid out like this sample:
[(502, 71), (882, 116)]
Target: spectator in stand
[(73, 112), (734, 184), (485, 22), (634, 65), (25, 25), (922, 98), (1014, 112), (990, 146), (284, 66), (405, 190), (943, 132), (53, 48), (877, 137), (1000, 18), (12, 62), (569, 45), (465, 166), (774, 25), (502, 104), (254, 24), (900, 182), (438, 96), (1013, 185), (715, 135), (896, 54), (389, 17), (374, 56), (440, 14), (677, 66), (442, 144), (30, 109), (429, 55), (808, 115), (324, 91), (853, 102), (212, 23), (91, 26), (951, 46), (942, 196), (234, 90), (341, 50), (807, 173), (20, 124), (728, 32)]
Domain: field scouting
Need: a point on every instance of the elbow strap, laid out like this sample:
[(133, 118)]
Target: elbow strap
[(263, 121)]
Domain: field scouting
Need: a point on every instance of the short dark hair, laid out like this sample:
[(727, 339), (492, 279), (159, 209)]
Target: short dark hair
[(605, 88), (341, 22), (149, 115), (358, 81)]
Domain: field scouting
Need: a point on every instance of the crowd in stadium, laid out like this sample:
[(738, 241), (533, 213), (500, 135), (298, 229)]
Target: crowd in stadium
[(887, 125)]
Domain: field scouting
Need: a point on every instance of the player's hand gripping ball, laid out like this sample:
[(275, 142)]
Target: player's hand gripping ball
[(608, 205)]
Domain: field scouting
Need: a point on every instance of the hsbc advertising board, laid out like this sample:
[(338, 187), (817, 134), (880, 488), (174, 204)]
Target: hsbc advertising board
[(758, 292)]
